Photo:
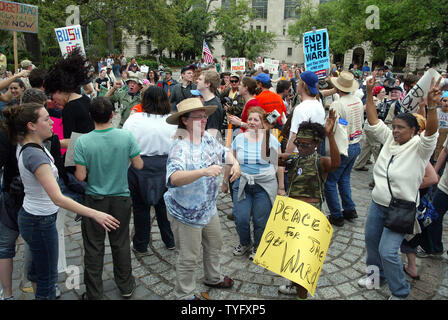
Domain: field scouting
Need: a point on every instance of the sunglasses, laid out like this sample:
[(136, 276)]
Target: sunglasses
[(234, 81)]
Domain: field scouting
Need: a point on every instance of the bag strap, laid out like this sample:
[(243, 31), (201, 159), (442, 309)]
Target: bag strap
[(34, 145), (388, 183), (387, 175)]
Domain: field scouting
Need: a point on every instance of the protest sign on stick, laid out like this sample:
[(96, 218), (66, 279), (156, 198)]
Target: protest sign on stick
[(69, 38), (271, 65), (316, 51), (412, 99), (295, 242), (238, 64), (18, 17)]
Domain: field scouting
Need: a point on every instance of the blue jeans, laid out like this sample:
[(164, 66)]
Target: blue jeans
[(340, 180), (40, 234), (257, 204), (382, 247)]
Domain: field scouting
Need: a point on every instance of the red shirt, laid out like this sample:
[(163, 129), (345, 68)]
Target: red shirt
[(251, 103), (271, 101)]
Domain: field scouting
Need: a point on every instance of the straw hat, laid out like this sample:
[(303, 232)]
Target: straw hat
[(189, 105), (345, 82)]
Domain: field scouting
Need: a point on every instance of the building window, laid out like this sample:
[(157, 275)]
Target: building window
[(289, 52), (258, 28), (227, 3), (290, 9), (265, 29), (139, 49), (260, 8)]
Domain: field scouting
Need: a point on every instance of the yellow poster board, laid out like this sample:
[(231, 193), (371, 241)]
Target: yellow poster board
[(295, 242)]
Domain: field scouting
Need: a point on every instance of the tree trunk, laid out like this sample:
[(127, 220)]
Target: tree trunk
[(33, 46), (110, 36)]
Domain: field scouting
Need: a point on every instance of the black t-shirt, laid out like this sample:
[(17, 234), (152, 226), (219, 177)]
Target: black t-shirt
[(10, 203), (102, 82), (215, 120), (76, 118), (8, 160)]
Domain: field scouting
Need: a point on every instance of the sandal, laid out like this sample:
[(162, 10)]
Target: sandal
[(417, 277), (227, 283)]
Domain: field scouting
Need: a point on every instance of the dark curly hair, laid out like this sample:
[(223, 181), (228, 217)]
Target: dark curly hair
[(68, 73)]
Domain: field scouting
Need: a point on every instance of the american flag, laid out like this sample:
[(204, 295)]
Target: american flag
[(208, 58)]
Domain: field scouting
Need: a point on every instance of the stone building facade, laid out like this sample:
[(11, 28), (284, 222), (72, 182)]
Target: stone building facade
[(275, 16)]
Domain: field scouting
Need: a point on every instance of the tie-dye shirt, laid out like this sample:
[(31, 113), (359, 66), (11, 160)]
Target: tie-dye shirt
[(194, 204)]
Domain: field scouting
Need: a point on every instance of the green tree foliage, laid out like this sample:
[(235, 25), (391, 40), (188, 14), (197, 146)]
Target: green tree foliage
[(239, 39), (419, 26)]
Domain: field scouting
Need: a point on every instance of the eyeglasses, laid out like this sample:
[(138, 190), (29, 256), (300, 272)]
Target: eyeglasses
[(198, 117), (234, 81)]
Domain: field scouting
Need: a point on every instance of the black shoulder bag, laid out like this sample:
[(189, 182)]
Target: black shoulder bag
[(400, 216)]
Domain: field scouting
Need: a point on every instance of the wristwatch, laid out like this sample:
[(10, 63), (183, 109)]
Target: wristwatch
[(435, 107)]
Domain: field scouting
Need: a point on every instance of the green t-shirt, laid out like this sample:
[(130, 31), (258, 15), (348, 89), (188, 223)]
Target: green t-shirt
[(106, 154)]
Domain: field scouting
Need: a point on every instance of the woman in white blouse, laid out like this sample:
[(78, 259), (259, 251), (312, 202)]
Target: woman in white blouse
[(411, 153), (154, 136)]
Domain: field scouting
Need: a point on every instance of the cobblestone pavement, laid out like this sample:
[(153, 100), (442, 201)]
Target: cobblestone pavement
[(343, 266)]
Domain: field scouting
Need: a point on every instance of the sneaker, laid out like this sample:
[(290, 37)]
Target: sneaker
[(129, 295), (366, 282), (171, 247), (252, 255), (287, 289), (337, 221), (241, 250), (423, 254), (58, 292), (350, 214)]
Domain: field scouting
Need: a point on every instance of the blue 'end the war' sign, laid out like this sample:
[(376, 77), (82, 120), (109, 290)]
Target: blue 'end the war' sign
[(316, 52)]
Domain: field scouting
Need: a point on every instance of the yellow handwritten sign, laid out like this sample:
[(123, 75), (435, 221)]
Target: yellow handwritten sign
[(18, 17), (295, 242)]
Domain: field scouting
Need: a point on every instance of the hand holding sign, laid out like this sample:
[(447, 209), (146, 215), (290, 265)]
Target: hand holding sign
[(434, 94)]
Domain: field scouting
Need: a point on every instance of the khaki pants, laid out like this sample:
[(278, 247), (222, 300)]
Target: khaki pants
[(188, 242), (369, 146), (93, 236)]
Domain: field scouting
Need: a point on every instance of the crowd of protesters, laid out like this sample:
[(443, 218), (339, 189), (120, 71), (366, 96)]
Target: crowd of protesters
[(179, 142)]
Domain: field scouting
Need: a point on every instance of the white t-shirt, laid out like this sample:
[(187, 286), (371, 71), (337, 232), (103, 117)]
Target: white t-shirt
[(350, 108), (36, 201), (153, 133), (257, 65), (307, 110)]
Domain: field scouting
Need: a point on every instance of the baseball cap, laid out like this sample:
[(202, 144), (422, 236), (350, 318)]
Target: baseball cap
[(189, 67), (26, 63), (263, 77), (311, 80), (397, 88)]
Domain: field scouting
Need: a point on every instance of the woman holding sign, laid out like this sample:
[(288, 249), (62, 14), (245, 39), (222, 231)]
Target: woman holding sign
[(255, 191), (403, 152), (307, 171)]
